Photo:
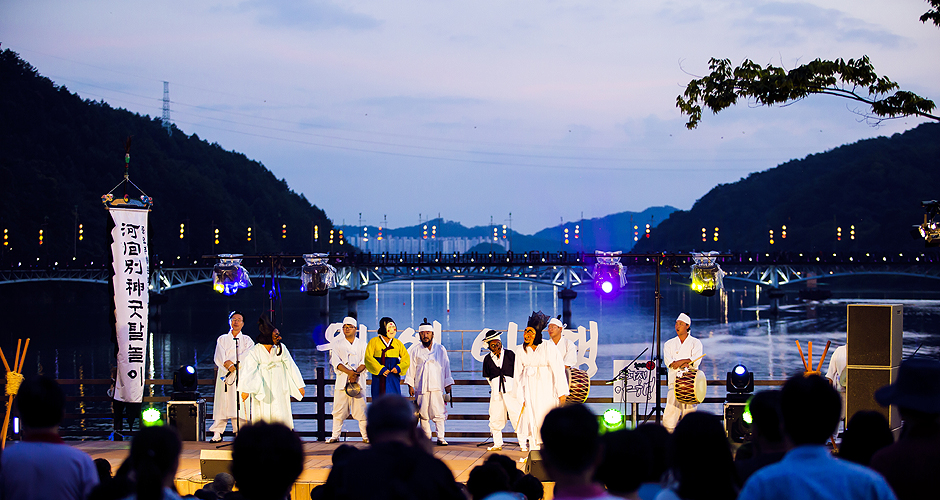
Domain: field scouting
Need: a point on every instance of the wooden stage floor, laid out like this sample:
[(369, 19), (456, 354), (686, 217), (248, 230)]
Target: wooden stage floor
[(461, 457)]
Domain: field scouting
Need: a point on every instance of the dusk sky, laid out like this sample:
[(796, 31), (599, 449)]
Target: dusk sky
[(546, 110)]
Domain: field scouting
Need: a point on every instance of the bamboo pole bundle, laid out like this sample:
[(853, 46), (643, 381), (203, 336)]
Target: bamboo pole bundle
[(14, 379)]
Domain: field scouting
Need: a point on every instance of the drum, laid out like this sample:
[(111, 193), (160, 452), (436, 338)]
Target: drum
[(691, 387), (579, 385)]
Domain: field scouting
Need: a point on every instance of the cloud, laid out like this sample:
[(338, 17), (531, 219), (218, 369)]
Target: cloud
[(796, 22), (308, 15)]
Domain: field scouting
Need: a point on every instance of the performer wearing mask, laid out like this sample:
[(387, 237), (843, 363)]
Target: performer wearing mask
[(567, 349), (498, 369), (679, 353), (429, 379), (386, 359), (542, 384), (347, 356), (270, 378), (230, 348)]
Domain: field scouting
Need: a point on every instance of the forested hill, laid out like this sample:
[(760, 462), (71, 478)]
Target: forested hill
[(876, 185), (60, 153)]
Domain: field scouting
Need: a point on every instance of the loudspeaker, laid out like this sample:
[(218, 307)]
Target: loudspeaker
[(874, 337), (736, 428), (860, 392), (535, 466), (189, 418), (212, 462)]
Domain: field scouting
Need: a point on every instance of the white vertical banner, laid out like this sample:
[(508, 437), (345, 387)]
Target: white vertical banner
[(131, 263)]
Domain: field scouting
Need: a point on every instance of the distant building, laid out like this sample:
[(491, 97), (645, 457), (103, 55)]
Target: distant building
[(392, 244)]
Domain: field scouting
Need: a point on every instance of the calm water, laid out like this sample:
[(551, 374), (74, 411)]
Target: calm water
[(68, 324)]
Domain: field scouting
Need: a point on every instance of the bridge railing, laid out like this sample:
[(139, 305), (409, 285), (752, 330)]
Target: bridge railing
[(88, 414)]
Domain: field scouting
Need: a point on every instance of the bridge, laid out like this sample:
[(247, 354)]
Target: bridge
[(562, 269)]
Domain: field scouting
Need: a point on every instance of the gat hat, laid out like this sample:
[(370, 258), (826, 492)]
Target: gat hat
[(916, 388), (353, 389), (557, 322), (491, 335), (425, 327), (683, 317), (349, 320)]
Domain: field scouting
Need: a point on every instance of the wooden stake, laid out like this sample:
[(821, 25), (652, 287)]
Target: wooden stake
[(16, 366), (823, 358), (4, 358), (805, 366)]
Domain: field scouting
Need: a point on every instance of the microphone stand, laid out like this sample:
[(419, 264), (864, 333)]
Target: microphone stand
[(238, 399)]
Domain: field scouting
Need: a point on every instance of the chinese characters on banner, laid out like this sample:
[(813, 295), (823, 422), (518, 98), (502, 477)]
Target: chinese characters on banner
[(131, 262)]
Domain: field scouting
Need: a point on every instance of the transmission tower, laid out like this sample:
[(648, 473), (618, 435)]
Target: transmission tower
[(166, 108)]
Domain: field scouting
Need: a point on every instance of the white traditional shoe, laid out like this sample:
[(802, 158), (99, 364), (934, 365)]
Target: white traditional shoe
[(216, 438), (441, 442), (332, 440), (495, 448)]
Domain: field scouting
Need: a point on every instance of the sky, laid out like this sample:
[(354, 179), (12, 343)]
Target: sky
[(539, 112)]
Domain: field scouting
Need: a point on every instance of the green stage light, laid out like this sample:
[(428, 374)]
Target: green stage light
[(747, 417), (151, 417), (612, 420)]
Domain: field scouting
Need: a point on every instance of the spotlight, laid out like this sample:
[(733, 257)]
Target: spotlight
[(706, 274), (151, 417), (612, 420), (739, 383), (317, 276), (608, 273), (228, 276), (738, 421), (185, 384)]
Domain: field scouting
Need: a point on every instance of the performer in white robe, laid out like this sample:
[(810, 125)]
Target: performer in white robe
[(567, 349), (230, 349), (499, 369), (679, 354), (541, 382), (347, 356), (428, 379), (270, 378)]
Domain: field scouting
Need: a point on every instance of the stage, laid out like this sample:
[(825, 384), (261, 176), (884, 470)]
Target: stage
[(460, 457)]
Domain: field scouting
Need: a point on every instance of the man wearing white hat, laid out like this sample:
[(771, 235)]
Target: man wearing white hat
[(567, 349), (347, 356), (679, 353), (499, 369), (429, 379)]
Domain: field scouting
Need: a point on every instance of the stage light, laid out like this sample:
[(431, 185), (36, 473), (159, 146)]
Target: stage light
[(929, 231), (612, 420), (739, 383), (185, 384), (738, 420), (608, 273), (317, 276), (228, 276), (706, 274), (151, 417)]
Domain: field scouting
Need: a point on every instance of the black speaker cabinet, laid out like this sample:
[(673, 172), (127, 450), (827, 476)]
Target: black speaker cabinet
[(535, 466), (874, 338), (189, 418), (212, 462), (873, 335), (861, 385)]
